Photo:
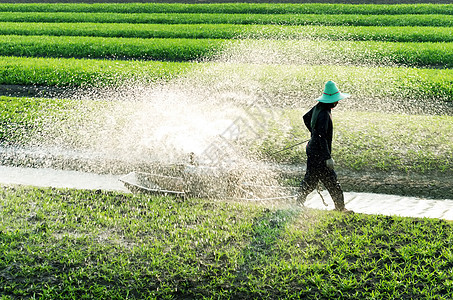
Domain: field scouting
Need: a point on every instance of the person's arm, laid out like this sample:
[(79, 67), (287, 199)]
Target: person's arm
[(307, 119)]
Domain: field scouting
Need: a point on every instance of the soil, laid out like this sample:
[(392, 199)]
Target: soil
[(15, 90), (427, 186)]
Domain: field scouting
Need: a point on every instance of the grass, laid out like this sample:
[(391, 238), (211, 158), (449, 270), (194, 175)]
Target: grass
[(231, 8), (179, 49), (231, 31), (210, 18), (65, 244), (78, 72)]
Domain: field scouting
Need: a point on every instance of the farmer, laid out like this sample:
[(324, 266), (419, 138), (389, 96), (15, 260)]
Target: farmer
[(319, 161)]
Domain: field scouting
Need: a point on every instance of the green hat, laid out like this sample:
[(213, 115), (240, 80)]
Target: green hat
[(331, 93)]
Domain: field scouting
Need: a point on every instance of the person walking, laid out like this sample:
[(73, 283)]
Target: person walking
[(320, 164)]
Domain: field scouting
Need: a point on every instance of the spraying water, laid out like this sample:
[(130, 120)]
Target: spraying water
[(229, 103)]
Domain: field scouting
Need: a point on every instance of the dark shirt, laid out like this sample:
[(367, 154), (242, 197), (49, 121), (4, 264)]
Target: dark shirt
[(320, 146)]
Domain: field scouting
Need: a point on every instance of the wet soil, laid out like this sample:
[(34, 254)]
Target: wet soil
[(15, 90), (428, 186)]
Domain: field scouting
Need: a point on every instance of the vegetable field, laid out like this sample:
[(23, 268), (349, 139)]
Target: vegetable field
[(403, 35), (396, 62), (400, 53), (70, 244)]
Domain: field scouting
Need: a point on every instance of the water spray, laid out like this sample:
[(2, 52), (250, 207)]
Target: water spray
[(139, 123)]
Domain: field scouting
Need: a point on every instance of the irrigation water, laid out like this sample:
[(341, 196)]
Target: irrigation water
[(210, 115)]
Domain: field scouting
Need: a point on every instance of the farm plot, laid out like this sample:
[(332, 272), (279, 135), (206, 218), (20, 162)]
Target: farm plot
[(81, 244), (394, 52), (74, 244)]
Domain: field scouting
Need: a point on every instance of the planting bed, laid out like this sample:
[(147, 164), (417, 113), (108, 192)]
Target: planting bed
[(213, 18), (65, 244), (233, 8), (44, 51), (169, 49), (230, 31), (394, 135)]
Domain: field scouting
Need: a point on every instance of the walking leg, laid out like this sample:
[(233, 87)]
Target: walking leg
[(306, 187), (333, 186)]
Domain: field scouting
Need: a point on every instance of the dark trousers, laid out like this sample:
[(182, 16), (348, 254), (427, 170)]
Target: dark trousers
[(316, 172)]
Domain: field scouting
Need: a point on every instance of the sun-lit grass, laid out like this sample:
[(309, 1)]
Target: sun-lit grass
[(257, 8), (241, 18), (181, 49), (76, 72), (65, 244), (230, 31)]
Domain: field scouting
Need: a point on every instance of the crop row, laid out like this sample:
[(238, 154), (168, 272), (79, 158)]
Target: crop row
[(19, 118), (232, 8), (203, 18), (230, 31), (116, 48), (76, 72), (420, 54), (381, 82)]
